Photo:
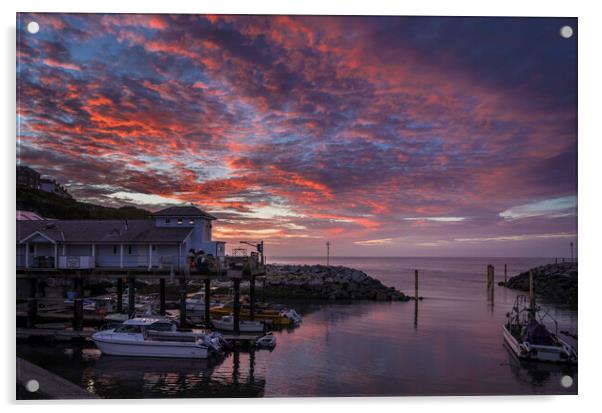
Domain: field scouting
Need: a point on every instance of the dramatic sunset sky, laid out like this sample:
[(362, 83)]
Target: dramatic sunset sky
[(387, 136)]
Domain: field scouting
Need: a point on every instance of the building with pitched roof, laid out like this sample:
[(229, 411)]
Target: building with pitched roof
[(162, 241)]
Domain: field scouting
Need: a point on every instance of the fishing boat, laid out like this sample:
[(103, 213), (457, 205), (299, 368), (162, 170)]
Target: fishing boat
[(226, 323), (267, 341), (528, 337), (153, 337)]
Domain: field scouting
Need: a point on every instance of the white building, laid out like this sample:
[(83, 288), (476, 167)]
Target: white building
[(162, 241), (52, 186)]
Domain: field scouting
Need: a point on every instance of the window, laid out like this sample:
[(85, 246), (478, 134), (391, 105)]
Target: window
[(167, 220), (114, 249), (31, 248), (191, 221), (128, 329), (153, 247), (180, 220), (129, 249)]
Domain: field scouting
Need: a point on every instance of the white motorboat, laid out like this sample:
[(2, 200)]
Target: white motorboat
[(529, 338), (195, 304), (226, 323), (292, 315), (153, 337), (267, 341)]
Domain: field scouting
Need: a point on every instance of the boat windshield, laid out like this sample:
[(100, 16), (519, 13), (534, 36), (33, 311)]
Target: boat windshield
[(162, 326), (125, 328)]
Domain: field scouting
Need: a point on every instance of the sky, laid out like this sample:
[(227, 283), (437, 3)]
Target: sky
[(387, 136)]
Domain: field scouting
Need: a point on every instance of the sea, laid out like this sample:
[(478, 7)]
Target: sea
[(448, 343)]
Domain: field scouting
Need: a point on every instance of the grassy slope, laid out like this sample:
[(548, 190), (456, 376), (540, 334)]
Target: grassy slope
[(53, 206)]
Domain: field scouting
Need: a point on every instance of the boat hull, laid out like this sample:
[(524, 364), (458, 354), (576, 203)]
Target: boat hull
[(150, 348), (525, 351), (243, 327)]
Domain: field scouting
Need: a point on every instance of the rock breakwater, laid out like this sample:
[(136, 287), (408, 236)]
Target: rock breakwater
[(326, 282)]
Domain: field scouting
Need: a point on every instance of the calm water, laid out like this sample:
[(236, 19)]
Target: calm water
[(452, 345)]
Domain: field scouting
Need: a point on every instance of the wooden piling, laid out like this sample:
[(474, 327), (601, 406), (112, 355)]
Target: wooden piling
[(236, 305), (252, 298), (120, 295), (505, 274), (531, 294), (207, 302), (78, 305), (32, 303), (162, 296), (416, 285), (131, 296), (183, 292)]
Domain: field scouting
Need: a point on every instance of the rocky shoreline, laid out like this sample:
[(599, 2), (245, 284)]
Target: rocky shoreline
[(326, 282), (555, 282)]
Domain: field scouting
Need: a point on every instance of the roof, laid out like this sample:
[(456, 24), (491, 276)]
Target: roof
[(102, 231), (183, 211), (27, 215)]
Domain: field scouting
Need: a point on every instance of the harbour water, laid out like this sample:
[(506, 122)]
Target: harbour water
[(449, 344)]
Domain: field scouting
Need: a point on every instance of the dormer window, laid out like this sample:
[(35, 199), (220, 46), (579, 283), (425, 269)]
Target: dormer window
[(180, 221), (167, 220)]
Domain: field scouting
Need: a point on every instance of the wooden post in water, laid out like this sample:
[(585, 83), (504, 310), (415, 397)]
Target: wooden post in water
[(505, 274), (32, 303), (78, 305), (252, 298), (131, 296), (492, 281), (162, 296), (183, 292), (531, 296), (207, 302), (120, 295), (236, 305), (416, 285)]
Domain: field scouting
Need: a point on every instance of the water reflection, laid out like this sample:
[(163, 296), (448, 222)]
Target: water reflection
[(538, 374)]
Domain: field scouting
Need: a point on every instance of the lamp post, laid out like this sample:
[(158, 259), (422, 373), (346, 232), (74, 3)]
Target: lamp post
[(571, 251), (328, 253)]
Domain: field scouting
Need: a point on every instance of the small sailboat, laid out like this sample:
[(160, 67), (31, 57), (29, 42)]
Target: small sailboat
[(527, 336), (154, 337), (226, 323)]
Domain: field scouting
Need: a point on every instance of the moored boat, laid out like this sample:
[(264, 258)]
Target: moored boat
[(268, 341), (152, 337), (226, 323), (528, 337)]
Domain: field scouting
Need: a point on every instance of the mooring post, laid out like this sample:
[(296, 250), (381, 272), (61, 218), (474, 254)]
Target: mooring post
[(162, 296), (207, 302), (531, 295), (416, 285), (78, 305), (236, 305), (492, 282), (252, 297), (32, 303), (120, 295), (183, 292), (505, 274), (131, 296)]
